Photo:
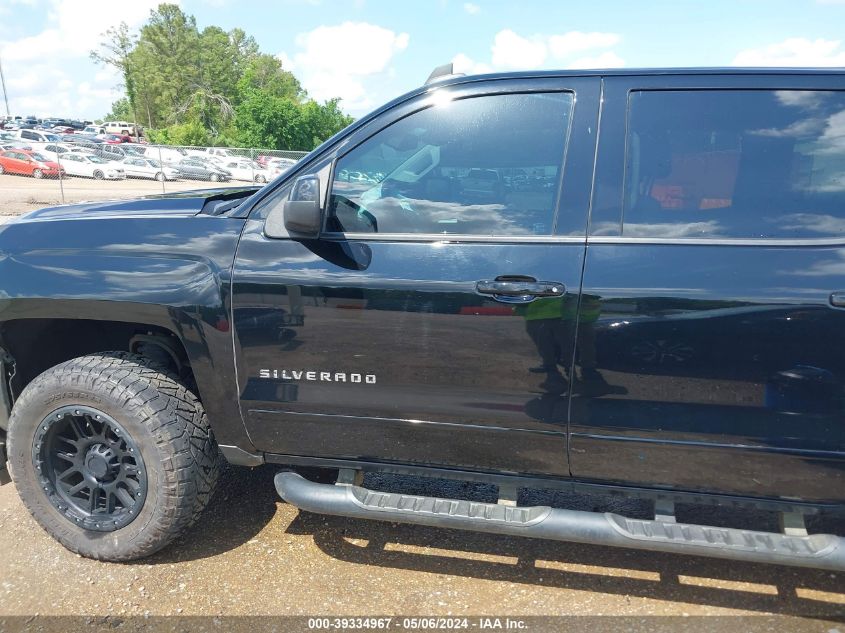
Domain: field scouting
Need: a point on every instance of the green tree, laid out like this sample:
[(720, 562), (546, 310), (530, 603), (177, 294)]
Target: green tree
[(212, 86), (263, 120), (168, 52), (120, 110), (322, 122), (116, 51), (264, 73)]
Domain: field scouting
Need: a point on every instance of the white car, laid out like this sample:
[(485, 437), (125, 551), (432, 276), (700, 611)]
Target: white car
[(167, 155), (136, 167), (57, 151), (247, 170), (92, 130), (90, 166), (278, 166)]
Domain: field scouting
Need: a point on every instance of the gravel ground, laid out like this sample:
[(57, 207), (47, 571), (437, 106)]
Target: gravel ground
[(253, 554), (19, 194)]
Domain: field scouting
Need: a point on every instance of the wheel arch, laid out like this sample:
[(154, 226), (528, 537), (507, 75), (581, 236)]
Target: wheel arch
[(33, 345), (168, 335)]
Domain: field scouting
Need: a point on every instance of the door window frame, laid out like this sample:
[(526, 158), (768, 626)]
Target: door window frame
[(574, 181), (609, 178)]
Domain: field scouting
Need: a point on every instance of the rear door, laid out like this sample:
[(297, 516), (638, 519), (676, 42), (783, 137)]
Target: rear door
[(712, 327), (409, 331), (19, 163)]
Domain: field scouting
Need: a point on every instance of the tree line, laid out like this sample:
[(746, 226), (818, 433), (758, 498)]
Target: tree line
[(187, 86)]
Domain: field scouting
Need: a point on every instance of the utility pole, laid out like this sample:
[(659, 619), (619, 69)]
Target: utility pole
[(5, 94)]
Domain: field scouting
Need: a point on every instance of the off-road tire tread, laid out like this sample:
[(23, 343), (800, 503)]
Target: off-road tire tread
[(174, 417)]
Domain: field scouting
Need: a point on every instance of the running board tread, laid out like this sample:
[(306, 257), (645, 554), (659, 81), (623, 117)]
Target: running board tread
[(722, 538), (471, 510), (820, 551)]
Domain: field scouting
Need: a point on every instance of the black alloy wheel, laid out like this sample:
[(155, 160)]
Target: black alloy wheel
[(90, 468)]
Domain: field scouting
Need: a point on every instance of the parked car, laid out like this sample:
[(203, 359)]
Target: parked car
[(247, 170), (37, 136), (91, 166), (28, 163), (167, 155), (55, 151), (112, 152), (140, 167), (93, 130), (120, 127), (665, 324), (86, 142), (15, 145), (198, 169), (278, 166), (111, 139), (117, 138), (223, 153)]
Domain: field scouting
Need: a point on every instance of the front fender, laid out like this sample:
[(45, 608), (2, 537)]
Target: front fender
[(173, 273)]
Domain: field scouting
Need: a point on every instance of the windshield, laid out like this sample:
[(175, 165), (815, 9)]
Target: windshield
[(96, 159), (38, 157), (52, 137), (154, 163)]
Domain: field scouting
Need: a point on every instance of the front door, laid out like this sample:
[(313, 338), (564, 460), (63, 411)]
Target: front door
[(433, 322), (710, 354)]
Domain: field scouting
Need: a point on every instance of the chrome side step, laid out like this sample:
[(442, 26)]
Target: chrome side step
[(663, 534)]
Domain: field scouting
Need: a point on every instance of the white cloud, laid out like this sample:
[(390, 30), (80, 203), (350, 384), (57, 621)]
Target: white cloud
[(472, 8), (43, 70), (795, 51), (337, 61), (562, 46), (514, 51), (462, 63), (608, 59), (573, 49)]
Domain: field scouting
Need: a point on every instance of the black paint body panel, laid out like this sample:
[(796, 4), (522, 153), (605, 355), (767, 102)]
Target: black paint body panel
[(707, 367)]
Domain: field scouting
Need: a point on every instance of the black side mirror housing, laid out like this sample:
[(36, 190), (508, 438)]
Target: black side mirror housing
[(303, 218), (302, 211)]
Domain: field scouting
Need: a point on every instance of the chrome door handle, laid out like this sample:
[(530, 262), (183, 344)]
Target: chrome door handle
[(519, 290)]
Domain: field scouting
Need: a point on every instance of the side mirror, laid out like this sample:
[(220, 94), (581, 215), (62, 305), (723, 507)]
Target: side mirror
[(303, 215)]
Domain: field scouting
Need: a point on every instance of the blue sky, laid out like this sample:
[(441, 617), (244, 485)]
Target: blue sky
[(369, 51)]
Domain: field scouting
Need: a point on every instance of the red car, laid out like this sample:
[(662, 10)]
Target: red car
[(114, 139), (19, 161)]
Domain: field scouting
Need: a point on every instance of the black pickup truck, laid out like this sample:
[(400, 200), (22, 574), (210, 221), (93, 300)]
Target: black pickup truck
[(623, 281)]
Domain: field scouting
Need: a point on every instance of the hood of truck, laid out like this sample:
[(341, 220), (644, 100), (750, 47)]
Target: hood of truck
[(176, 204)]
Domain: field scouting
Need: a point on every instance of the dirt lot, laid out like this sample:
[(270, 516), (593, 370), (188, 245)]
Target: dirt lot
[(254, 554), (19, 194)]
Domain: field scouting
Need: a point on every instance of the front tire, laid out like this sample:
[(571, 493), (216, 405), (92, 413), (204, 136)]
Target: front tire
[(98, 175), (37, 173), (160, 176), (89, 430), (214, 178)]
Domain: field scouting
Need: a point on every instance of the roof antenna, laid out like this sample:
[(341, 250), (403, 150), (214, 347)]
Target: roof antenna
[(442, 72)]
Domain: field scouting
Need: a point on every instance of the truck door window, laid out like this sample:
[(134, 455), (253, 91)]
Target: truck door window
[(487, 165), (735, 164)]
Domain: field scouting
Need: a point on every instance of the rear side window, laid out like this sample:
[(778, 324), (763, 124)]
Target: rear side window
[(735, 164), (487, 165)]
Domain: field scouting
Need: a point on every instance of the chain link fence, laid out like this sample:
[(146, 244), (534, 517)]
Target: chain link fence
[(41, 168)]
